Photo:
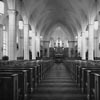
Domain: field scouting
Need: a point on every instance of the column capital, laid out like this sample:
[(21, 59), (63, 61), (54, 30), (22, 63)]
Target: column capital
[(26, 24), (83, 32), (12, 11), (12, 34), (91, 24), (91, 42)]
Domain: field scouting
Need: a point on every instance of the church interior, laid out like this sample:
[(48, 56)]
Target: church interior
[(49, 49)]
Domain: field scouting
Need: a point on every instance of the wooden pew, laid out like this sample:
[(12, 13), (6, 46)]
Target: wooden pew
[(22, 81), (8, 86), (30, 78), (73, 67), (30, 70), (87, 81), (34, 77), (97, 86), (80, 67), (91, 83), (34, 72), (85, 75)]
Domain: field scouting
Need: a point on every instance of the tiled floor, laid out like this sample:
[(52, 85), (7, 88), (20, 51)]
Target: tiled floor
[(58, 85)]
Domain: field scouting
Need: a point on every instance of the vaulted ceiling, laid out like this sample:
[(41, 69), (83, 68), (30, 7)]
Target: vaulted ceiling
[(71, 14)]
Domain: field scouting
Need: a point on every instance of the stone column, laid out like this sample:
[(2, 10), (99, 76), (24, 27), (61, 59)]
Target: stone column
[(79, 44), (38, 44), (26, 42), (33, 46), (12, 35), (91, 42), (83, 46), (5, 42), (98, 44), (69, 52), (21, 43), (1, 41), (95, 43), (48, 52)]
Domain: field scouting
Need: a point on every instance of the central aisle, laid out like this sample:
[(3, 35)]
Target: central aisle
[(58, 85)]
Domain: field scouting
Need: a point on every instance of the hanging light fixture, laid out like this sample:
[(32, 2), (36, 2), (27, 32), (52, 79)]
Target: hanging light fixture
[(86, 34), (1, 7), (50, 44), (96, 23), (21, 24), (4, 28), (41, 37), (30, 33)]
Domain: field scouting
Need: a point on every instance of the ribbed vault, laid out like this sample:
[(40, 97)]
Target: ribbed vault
[(72, 14)]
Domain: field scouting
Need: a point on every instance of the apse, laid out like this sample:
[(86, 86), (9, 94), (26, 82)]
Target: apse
[(60, 35)]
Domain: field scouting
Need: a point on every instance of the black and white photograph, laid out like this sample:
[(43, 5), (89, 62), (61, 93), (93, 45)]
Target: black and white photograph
[(49, 49)]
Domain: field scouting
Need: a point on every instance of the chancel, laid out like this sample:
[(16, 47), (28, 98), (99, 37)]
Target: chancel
[(49, 49)]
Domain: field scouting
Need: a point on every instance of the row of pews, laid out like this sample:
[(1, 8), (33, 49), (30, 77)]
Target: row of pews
[(19, 79), (87, 76)]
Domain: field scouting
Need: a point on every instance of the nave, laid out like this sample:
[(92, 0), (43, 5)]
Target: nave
[(46, 80), (58, 85), (36, 33)]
